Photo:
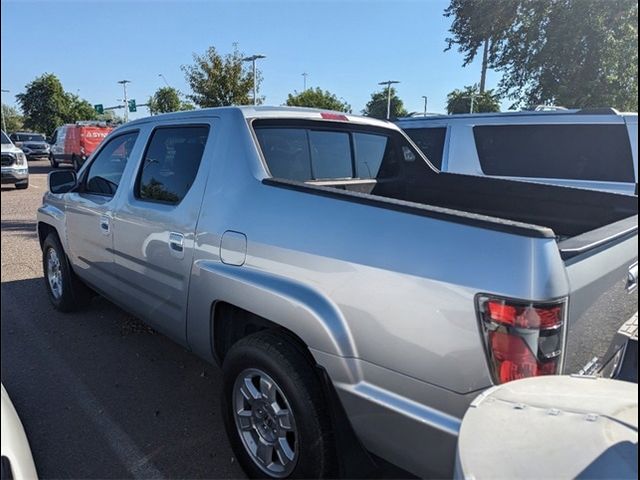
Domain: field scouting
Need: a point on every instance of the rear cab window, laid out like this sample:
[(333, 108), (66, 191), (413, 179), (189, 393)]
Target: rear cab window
[(595, 152), (309, 151)]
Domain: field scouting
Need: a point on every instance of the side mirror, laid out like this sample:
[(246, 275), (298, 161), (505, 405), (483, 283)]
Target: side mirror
[(62, 181)]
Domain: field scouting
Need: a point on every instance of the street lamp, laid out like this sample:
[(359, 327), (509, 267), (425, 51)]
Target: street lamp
[(4, 125), (305, 75), (164, 79), (425, 105), (388, 83), (126, 105), (253, 59)]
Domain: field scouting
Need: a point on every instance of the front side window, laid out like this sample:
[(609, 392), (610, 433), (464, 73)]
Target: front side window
[(106, 169), (431, 141), (308, 154), (5, 139), (579, 151), (171, 163)]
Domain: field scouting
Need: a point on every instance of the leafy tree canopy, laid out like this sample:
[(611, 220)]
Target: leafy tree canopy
[(218, 81), (377, 106), (459, 101), (318, 98), (575, 53), (13, 121), (167, 99), (46, 105)]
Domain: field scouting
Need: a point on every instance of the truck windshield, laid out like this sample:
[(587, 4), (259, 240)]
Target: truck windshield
[(29, 137)]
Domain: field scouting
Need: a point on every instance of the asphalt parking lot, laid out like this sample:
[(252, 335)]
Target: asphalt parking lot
[(100, 394)]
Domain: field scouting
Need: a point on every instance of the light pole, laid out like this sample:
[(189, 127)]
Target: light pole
[(253, 59), (304, 75), (425, 105), (126, 105), (4, 125), (388, 83), (164, 79)]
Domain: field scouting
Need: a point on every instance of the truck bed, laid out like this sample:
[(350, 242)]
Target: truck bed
[(569, 212)]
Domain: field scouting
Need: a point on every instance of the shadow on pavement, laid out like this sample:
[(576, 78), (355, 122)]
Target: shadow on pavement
[(102, 399)]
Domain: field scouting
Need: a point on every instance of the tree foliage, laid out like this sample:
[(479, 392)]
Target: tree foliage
[(12, 119), (576, 53), (165, 100), (377, 106), (46, 105), (218, 81), (459, 101), (318, 98)]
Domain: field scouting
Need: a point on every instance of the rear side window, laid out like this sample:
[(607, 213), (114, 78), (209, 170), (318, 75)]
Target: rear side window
[(171, 162), (577, 152), (431, 142), (303, 154), (106, 168)]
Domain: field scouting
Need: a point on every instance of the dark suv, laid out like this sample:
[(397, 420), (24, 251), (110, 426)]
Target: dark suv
[(34, 145)]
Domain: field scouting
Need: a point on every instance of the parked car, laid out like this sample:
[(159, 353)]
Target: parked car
[(15, 169), (595, 149), (34, 145), (17, 461), (73, 143), (353, 295)]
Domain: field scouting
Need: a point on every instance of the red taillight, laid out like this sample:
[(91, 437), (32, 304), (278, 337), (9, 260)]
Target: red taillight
[(334, 116), (523, 340)]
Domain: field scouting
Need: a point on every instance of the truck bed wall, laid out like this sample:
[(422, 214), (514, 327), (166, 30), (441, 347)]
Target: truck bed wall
[(567, 211)]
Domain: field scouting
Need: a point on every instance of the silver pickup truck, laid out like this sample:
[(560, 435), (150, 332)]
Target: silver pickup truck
[(356, 299)]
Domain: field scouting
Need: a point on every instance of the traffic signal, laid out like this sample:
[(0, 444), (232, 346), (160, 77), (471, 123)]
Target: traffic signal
[(132, 106), (99, 108)]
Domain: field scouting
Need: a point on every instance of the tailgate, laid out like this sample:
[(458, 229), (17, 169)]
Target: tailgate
[(602, 275)]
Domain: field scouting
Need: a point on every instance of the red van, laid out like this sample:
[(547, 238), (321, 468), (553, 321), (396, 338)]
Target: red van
[(73, 143)]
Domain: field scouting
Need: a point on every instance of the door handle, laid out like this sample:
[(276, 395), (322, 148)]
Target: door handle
[(105, 225), (632, 278), (176, 244)]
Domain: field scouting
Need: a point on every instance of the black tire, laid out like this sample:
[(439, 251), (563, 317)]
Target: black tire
[(73, 293), (22, 185), (52, 160), (283, 360)]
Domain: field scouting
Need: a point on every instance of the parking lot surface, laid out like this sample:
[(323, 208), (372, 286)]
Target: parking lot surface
[(100, 394)]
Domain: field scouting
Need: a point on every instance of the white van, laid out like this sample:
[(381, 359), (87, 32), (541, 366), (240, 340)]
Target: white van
[(596, 148)]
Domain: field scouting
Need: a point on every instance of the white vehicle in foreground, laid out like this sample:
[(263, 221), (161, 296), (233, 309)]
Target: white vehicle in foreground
[(17, 461), (596, 148)]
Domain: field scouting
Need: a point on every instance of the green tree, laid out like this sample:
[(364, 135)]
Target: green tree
[(218, 81), (78, 109), (12, 119), (167, 99), (318, 98), (44, 104), (459, 101), (377, 106), (576, 53)]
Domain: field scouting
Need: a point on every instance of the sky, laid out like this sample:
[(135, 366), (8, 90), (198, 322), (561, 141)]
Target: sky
[(346, 46)]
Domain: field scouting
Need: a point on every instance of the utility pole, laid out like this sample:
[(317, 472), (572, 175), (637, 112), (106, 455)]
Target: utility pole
[(126, 105), (253, 59), (473, 98), (425, 105), (4, 125), (388, 83), (304, 75)]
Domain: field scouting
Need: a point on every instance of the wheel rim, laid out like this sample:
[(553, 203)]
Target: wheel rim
[(265, 423), (54, 273)]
